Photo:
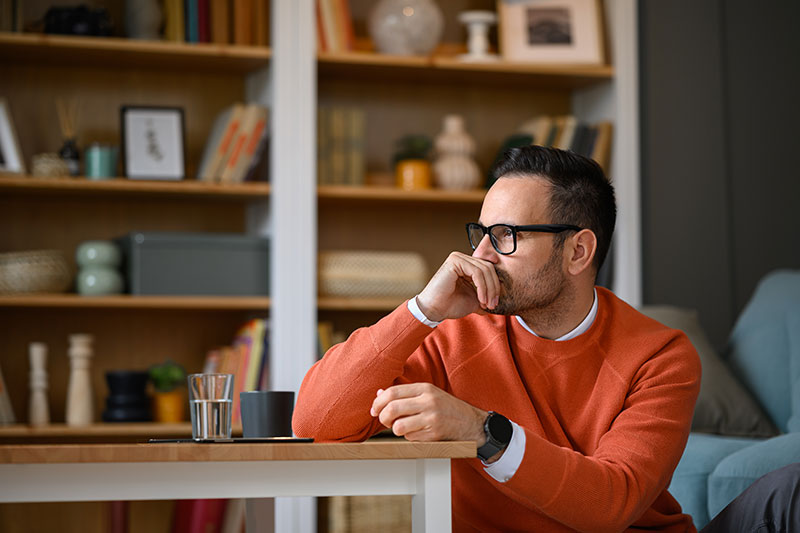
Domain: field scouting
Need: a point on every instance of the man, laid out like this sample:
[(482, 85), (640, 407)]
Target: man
[(580, 406)]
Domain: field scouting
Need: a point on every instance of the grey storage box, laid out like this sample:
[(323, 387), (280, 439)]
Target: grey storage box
[(219, 264)]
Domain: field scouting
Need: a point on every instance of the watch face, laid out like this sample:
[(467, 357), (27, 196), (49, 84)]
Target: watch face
[(500, 428)]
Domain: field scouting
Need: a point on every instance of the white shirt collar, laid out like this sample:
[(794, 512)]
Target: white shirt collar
[(581, 328)]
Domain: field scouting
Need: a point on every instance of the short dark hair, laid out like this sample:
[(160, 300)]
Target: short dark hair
[(580, 195)]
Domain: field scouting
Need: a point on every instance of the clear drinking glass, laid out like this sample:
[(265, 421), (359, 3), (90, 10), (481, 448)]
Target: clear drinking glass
[(211, 405)]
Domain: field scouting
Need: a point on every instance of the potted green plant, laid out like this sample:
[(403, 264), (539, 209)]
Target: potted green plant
[(412, 162), (169, 399)]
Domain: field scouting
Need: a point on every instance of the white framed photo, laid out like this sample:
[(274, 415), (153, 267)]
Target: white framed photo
[(10, 154), (552, 31), (153, 143)]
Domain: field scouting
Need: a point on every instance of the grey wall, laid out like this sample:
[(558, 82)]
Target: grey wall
[(720, 122)]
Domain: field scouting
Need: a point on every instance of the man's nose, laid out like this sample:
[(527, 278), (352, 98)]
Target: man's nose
[(485, 250)]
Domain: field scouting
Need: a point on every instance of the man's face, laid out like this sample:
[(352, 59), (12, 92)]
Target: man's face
[(532, 278)]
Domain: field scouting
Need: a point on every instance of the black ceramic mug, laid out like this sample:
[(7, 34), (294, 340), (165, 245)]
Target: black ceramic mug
[(267, 413)]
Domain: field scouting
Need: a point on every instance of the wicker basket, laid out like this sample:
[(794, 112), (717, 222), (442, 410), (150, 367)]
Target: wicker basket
[(367, 274), (34, 271)]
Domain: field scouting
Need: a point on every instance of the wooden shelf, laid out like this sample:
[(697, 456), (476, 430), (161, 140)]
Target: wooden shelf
[(358, 304), (76, 301), (392, 194), (446, 67), (105, 52), (125, 429), (251, 191), (211, 303)]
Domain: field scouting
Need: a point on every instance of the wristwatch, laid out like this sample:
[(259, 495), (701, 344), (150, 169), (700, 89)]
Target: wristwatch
[(498, 432)]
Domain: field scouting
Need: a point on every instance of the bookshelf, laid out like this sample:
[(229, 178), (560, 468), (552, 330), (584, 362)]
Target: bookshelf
[(399, 95)]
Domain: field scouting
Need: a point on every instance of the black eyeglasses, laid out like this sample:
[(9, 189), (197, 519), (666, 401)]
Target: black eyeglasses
[(504, 236)]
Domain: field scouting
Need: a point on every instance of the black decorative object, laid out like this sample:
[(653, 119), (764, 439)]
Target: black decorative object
[(127, 400), (80, 20)]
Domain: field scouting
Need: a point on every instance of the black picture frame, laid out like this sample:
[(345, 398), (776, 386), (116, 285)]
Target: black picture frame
[(153, 142)]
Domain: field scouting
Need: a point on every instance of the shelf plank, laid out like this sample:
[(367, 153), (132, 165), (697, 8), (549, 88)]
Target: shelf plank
[(103, 52), (250, 191), (393, 194), (126, 301), (446, 67), (215, 303), (358, 304), (122, 429)]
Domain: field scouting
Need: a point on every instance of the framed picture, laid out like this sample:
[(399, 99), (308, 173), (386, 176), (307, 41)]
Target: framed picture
[(552, 31), (152, 143), (10, 155)]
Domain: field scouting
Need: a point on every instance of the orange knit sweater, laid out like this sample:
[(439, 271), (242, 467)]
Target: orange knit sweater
[(606, 414)]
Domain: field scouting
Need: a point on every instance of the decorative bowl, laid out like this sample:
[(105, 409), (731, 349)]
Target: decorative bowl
[(34, 271)]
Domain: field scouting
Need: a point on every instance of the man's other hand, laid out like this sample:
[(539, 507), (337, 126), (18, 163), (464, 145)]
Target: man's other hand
[(423, 412), (463, 284)]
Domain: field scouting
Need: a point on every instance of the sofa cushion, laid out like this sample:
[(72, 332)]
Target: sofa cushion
[(758, 352), (793, 330), (724, 406), (741, 468), (690, 480)]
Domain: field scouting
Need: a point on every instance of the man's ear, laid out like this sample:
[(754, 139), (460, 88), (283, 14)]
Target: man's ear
[(580, 250)]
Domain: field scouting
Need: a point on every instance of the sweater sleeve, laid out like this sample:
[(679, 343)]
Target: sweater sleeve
[(614, 485), (337, 392)]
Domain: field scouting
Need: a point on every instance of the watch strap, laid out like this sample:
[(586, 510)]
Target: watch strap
[(493, 442)]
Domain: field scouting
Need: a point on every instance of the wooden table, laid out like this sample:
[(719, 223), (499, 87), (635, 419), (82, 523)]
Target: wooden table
[(167, 471)]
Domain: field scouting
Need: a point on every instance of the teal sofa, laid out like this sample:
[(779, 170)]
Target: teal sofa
[(747, 419)]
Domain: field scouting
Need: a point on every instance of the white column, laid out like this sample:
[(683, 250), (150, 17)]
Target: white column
[(293, 246)]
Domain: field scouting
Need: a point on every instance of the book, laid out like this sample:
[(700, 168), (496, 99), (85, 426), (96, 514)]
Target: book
[(222, 151), (252, 125), (203, 22), (569, 124), (329, 26), (323, 146), (257, 331), (356, 165), (344, 21), (190, 15), (243, 22), (198, 516), (255, 139), (233, 519), (538, 128), (261, 22), (601, 151), (337, 145), (174, 29), (211, 153), (322, 43), (219, 15), (6, 410)]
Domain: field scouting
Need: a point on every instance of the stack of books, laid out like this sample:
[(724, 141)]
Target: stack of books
[(341, 133), (236, 144), (334, 26), (568, 133), (242, 22), (247, 358)]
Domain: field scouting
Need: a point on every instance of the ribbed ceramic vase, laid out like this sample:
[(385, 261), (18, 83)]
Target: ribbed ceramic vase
[(454, 167)]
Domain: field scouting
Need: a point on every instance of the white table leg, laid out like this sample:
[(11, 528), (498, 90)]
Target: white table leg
[(430, 506)]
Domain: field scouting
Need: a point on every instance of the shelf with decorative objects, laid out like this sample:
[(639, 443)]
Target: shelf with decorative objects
[(125, 301)]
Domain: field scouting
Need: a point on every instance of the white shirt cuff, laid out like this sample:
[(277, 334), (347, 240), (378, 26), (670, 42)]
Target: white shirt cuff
[(419, 315), (504, 468)]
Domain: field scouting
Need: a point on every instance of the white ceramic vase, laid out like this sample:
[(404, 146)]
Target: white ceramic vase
[(454, 167), (405, 27)]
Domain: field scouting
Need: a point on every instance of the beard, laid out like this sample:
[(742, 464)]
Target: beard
[(535, 293)]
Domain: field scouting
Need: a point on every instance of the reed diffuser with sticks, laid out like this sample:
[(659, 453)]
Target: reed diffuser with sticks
[(67, 119)]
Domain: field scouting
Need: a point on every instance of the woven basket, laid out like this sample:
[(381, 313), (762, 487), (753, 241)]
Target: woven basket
[(367, 274), (34, 271)]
